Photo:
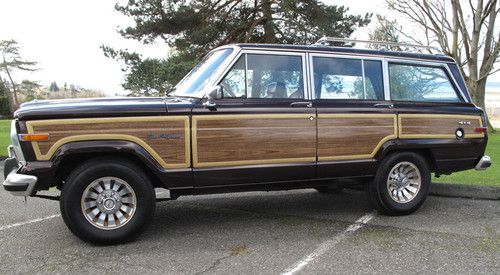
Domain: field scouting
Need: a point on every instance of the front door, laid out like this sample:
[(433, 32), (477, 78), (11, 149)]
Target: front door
[(263, 129)]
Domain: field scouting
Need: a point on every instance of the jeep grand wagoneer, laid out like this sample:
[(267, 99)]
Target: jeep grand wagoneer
[(252, 117)]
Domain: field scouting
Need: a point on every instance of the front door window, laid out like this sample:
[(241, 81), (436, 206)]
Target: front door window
[(265, 76)]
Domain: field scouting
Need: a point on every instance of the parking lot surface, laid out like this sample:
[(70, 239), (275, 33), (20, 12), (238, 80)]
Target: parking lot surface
[(299, 232)]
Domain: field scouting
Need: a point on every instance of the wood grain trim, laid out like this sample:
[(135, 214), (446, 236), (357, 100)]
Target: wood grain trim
[(187, 141), (194, 133), (402, 135), (376, 149)]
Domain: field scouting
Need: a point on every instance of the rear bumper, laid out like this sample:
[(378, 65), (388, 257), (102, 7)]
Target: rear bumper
[(15, 183), (483, 163)]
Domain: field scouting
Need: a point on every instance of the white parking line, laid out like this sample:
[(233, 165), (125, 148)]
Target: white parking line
[(329, 244), (4, 227)]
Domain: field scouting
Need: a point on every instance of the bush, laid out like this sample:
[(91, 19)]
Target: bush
[(4, 106)]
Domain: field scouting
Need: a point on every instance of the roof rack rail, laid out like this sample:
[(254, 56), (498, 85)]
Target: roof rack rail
[(328, 41)]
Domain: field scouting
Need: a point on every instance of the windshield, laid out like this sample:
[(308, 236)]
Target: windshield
[(201, 75)]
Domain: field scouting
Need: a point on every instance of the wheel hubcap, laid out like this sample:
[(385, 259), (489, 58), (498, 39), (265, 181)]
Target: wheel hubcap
[(403, 182), (108, 203)]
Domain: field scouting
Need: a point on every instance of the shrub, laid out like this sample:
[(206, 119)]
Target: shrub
[(4, 106)]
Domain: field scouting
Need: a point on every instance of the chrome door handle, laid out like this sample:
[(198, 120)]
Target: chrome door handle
[(301, 104), (384, 105)]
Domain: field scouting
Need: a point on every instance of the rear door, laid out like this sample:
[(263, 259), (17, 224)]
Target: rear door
[(263, 129), (354, 120)]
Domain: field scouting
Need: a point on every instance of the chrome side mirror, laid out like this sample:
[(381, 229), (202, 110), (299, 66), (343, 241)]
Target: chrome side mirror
[(213, 93)]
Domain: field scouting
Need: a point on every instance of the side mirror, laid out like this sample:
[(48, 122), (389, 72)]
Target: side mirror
[(213, 93)]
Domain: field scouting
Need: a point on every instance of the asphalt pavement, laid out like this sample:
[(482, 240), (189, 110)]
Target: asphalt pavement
[(299, 232)]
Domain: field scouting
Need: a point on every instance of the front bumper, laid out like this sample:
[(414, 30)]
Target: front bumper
[(483, 163), (15, 183)]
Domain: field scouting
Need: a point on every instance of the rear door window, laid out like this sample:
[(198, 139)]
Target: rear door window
[(410, 82), (343, 78)]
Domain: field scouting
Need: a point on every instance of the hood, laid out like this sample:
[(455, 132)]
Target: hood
[(100, 107)]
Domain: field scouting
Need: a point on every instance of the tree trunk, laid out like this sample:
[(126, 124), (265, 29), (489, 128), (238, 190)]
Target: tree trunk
[(14, 91), (478, 94), (269, 34)]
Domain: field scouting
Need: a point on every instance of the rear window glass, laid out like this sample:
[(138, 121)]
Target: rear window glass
[(420, 83), (342, 78)]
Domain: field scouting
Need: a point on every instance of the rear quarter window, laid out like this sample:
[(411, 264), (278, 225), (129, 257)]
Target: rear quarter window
[(410, 82)]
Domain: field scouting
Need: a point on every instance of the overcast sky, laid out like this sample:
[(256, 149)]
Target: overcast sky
[(64, 37)]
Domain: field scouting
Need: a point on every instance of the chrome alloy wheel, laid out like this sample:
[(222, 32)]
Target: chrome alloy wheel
[(108, 203), (403, 182)]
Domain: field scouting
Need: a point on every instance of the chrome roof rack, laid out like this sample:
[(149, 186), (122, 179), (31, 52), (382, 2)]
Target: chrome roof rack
[(385, 45)]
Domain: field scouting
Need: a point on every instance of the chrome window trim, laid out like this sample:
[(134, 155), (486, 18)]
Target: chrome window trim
[(364, 78), (387, 82), (447, 70), (356, 57), (309, 76), (263, 52)]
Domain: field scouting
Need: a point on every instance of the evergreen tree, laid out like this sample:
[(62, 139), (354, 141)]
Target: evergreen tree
[(53, 87), (194, 27)]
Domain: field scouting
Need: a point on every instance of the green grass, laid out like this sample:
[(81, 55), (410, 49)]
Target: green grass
[(4, 137), (490, 176)]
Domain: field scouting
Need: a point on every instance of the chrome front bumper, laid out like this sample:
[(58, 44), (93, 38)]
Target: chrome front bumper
[(19, 184), (483, 163)]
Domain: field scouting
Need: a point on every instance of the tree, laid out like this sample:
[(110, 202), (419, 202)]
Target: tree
[(53, 87), (192, 28), (4, 101), (11, 61), (386, 30), (29, 89), (470, 34)]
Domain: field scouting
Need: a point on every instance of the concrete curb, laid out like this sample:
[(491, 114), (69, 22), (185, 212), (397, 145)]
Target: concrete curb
[(465, 191)]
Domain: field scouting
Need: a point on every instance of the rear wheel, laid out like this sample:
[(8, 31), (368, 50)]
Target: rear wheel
[(107, 201), (401, 184)]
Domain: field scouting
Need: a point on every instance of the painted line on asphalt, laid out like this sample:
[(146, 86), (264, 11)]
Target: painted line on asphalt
[(329, 244), (5, 227)]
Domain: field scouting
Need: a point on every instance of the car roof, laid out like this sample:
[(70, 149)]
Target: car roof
[(348, 50)]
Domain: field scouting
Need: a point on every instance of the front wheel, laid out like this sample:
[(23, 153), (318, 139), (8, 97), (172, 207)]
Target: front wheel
[(401, 184), (107, 201)]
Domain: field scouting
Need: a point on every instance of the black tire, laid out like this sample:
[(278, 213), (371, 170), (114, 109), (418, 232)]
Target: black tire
[(88, 172), (378, 190), (329, 190)]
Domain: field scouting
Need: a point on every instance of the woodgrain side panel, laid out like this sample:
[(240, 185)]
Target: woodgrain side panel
[(353, 136), (222, 140), (167, 139), (438, 126)]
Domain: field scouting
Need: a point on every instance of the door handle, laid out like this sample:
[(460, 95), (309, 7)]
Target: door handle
[(301, 104), (384, 105)]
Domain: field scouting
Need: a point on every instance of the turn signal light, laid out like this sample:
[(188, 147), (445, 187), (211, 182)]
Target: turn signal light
[(480, 130), (33, 137)]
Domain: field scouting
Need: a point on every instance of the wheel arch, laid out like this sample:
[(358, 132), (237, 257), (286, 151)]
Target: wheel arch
[(71, 155), (392, 147)]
